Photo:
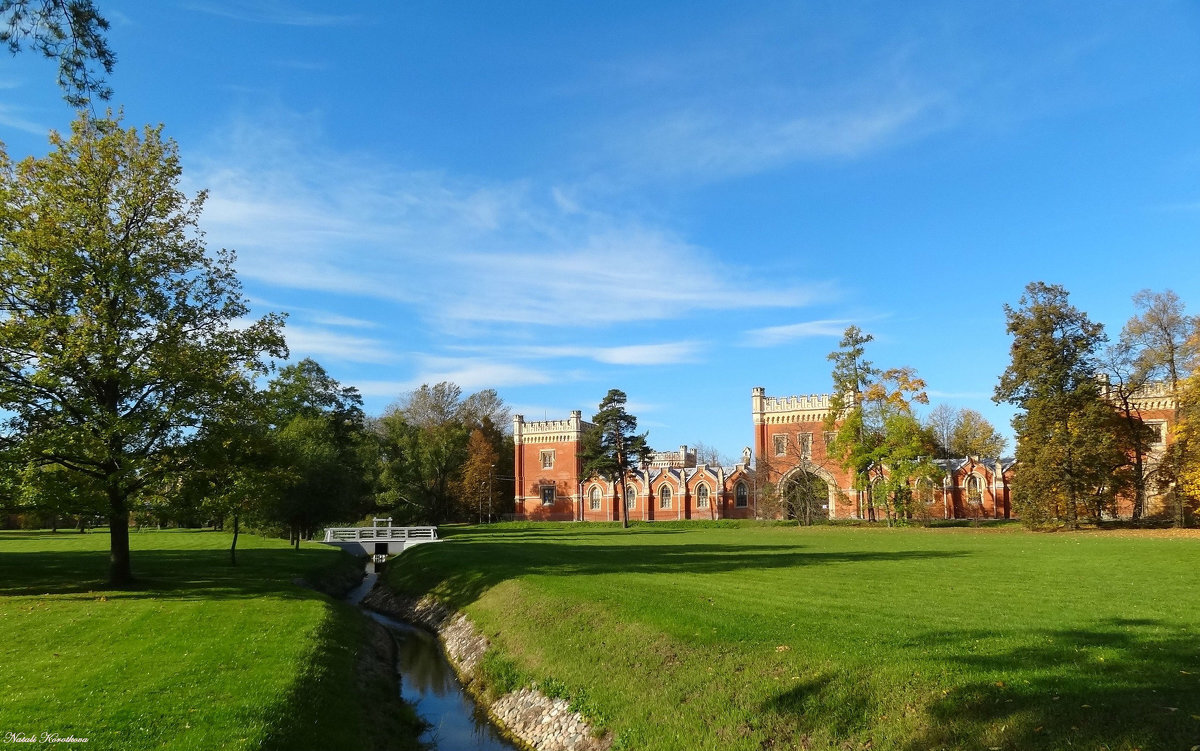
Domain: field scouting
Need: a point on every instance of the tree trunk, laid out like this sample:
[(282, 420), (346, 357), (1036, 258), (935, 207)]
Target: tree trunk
[(624, 504), (119, 572), (233, 547)]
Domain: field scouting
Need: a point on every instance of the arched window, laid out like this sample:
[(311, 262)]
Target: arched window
[(594, 498), (630, 499), (664, 497), (741, 495), (702, 496), (974, 490)]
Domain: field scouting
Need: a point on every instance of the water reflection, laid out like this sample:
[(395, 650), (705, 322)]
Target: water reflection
[(428, 683)]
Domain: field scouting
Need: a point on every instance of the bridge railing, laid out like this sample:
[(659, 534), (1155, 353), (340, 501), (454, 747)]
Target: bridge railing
[(353, 534)]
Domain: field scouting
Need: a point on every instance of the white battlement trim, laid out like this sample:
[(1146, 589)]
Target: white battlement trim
[(797, 403)]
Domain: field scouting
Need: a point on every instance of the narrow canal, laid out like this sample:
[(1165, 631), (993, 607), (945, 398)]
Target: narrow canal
[(428, 682)]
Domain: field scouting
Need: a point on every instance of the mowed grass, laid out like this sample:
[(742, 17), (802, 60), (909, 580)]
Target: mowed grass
[(770, 637), (200, 655)]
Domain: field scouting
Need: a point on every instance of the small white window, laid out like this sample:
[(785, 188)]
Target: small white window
[(664, 497), (547, 495), (1160, 432), (829, 437), (594, 499), (780, 445), (630, 499), (548, 459), (702, 496)]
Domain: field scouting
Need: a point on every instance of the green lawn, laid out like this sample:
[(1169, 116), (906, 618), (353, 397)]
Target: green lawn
[(201, 655), (769, 637)]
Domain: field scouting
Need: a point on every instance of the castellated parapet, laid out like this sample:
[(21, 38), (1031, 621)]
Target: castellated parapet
[(776, 410), (550, 431)]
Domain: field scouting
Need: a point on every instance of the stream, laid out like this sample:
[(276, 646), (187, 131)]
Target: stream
[(428, 682)]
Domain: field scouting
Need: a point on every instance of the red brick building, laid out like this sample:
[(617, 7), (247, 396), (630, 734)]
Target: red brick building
[(790, 446)]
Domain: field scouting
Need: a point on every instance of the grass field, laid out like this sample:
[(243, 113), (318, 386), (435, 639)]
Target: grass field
[(769, 637), (201, 655)]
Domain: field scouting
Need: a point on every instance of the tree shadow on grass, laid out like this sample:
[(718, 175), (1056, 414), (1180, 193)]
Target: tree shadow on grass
[(1119, 684), (464, 572), (1122, 683), (174, 574)]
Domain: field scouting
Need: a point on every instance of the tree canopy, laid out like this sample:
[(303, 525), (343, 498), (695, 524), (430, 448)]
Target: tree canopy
[(1066, 450), (118, 336)]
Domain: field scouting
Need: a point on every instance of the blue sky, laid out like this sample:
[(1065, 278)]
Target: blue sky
[(681, 200)]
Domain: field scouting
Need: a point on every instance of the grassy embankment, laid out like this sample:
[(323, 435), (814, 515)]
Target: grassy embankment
[(200, 655), (768, 637)]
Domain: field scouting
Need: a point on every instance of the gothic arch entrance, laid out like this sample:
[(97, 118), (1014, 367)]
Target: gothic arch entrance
[(808, 493)]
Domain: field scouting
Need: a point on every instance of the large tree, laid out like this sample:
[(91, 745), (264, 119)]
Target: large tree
[(1064, 457), (120, 333), (879, 439), (428, 468), (324, 452), (614, 447), (69, 31), (1163, 344)]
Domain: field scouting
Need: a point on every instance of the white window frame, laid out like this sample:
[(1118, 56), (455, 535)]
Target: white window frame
[(595, 498), (702, 496), (547, 458), (548, 498), (664, 497), (805, 441)]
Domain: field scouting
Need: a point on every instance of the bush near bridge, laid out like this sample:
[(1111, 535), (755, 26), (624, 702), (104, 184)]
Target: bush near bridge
[(767, 637), (201, 655)]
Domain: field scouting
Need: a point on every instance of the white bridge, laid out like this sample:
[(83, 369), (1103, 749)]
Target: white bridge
[(379, 539)]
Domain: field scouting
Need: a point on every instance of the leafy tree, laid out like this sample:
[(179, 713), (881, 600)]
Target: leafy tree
[(851, 374), (424, 450), (963, 432), (117, 337), (236, 467), (1122, 380), (479, 471), (1163, 343), (321, 444), (879, 439), (614, 447), (1064, 429), (69, 31)]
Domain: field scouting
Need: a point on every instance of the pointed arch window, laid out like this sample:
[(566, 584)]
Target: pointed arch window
[(974, 490), (702, 496), (594, 498), (630, 499), (664, 497), (741, 495)]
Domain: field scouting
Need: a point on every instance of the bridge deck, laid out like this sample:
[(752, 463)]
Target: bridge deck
[(374, 540)]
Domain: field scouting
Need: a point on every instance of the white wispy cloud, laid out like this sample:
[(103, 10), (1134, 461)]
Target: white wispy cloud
[(304, 341), (462, 252), (771, 336), (470, 374), (11, 117), (270, 12), (663, 353), (709, 143)]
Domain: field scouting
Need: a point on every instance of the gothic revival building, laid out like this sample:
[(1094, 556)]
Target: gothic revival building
[(790, 448)]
